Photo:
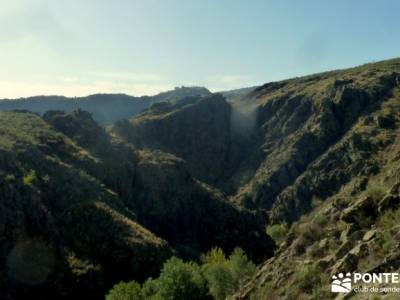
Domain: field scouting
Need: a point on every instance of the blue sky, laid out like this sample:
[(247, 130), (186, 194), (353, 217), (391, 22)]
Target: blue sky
[(145, 46)]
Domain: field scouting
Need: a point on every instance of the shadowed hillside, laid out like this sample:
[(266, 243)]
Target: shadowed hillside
[(81, 210)]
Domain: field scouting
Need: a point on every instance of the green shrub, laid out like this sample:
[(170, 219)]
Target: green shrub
[(386, 223), (311, 232), (321, 292), (266, 291), (320, 220), (29, 178), (226, 276), (277, 232), (375, 192), (46, 178), (9, 177), (214, 256), (308, 278), (125, 291)]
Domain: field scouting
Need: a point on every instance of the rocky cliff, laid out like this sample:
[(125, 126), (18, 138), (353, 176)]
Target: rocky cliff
[(317, 155)]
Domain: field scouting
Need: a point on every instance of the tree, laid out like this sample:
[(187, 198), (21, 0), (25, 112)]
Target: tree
[(125, 291), (226, 276), (179, 281), (240, 267)]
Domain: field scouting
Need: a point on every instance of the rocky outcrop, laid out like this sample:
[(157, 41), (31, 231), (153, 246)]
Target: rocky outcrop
[(198, 132)]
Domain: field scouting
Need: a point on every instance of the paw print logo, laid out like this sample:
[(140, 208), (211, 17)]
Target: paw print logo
[(341, 283)]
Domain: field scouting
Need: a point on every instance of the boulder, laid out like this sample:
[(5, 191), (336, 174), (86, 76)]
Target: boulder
[(369, 235)]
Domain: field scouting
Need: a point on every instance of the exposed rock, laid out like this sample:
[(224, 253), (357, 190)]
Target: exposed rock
[(369, 235), (343, 249), (323, 243), (358, 212), (360, 250), (347, 264), (345, 234)]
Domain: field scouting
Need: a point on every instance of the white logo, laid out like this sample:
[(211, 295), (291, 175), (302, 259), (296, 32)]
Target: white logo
[(341, 283)]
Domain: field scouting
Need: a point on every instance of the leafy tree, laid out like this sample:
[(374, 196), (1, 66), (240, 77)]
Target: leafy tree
[(240, 267), (179, 281), (225, 276), (125, 291), (219, 279), (150, 290)]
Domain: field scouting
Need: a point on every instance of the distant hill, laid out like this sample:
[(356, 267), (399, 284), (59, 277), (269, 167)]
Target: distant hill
[(105, 108)]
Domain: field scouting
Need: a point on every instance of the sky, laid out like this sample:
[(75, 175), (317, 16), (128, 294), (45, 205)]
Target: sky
[(142, 47)]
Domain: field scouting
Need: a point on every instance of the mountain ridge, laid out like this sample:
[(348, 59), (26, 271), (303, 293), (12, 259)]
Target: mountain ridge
[(314, 160), (106, 108)]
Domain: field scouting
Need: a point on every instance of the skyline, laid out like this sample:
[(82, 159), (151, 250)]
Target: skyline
[(145, 47)]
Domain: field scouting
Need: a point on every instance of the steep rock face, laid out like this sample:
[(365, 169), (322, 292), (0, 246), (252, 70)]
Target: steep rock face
[(296, 123), (296, 129), (343, 208), (198, 132)]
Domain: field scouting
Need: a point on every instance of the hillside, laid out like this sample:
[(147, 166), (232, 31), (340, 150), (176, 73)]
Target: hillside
[(81, 210), (330, 172), (318, 155), (313, 161), (105, 108)]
